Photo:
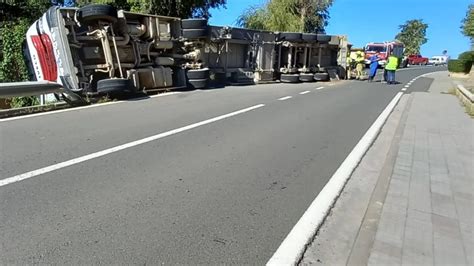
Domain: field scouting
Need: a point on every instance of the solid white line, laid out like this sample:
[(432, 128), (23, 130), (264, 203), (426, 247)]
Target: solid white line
[(292, 248), (285, 98), (77, 160), (304, 92), (80, 108), (320, 88)]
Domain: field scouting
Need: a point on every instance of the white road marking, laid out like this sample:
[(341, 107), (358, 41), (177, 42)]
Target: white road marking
[(304, 92), (320, 88), (404, 89), (84, 158), (165, 94), (285, 98), (81, 108), (406, 86), (292, 248)]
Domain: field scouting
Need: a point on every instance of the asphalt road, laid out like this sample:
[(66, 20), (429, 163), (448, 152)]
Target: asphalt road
[(227, 191)]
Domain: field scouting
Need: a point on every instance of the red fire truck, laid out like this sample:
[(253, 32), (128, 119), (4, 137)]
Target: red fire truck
[(385, 49)]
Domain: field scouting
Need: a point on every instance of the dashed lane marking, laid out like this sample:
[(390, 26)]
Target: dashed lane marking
[(285, 98)]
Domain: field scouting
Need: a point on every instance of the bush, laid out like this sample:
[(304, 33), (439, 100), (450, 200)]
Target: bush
[(12, 66), (457, 66), (467, 56)]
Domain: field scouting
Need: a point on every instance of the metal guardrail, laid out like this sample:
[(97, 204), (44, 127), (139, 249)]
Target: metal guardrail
[(28, 88)]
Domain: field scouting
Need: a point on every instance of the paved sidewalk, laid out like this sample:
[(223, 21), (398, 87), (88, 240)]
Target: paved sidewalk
[(410, 201)]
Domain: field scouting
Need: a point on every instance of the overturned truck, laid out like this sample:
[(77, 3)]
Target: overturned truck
[(98, 50)]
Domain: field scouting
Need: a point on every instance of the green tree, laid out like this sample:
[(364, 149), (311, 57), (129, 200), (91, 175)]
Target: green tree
[(253, 17), (288, 15), (172, 8), (468, 25), (314, 14), (29, 10), (412, 35)]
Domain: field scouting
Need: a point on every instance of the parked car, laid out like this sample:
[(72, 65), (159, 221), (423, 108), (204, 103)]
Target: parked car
[(416, 59), (438, 60)]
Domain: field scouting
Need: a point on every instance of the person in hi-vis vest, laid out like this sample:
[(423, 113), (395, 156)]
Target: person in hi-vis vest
[(391, 67)]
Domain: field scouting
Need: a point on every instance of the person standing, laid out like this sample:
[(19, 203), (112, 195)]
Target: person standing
[(391, 67), (374, 64), (360, 64)]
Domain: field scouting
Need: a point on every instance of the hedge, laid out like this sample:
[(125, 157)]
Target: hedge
[(467, 56), (457, 66)]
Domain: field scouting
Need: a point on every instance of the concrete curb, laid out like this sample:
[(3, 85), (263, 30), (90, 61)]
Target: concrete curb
[(467, 94), (293, 247), (32, 109), (466, 97)]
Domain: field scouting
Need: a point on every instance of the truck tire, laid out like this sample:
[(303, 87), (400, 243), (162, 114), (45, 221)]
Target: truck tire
[(194, 23), (118, 85), (306, 77), (91, 14), (321, 76), (290, 78), (290, 36), (309, 37), (194, 33), (198, 73), (198, 83), (324, 38)]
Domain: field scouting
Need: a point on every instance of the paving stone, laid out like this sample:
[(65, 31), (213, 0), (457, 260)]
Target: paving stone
[(443, 205), (468, 241), (418, 239), (384, 253), (392, 225), (398, 193), (465, 208), (441, 178), (442, 188), (448, 246)]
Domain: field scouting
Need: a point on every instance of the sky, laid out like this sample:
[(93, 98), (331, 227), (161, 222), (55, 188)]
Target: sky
[(363, 21)]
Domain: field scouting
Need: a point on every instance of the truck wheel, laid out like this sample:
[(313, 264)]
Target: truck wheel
[(290, 36), (309, 37), (290, 78), (307, 77), (321, 76), (194, 23), (93, 13), (117, 85), (324, 38), (194, 33), (198, 83), (198, 73)]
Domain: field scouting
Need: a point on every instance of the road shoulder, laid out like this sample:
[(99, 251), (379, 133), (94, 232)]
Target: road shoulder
[(410, 200), (335, 239)]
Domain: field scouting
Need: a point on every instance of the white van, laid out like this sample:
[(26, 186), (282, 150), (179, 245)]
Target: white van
[(438, 60)]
